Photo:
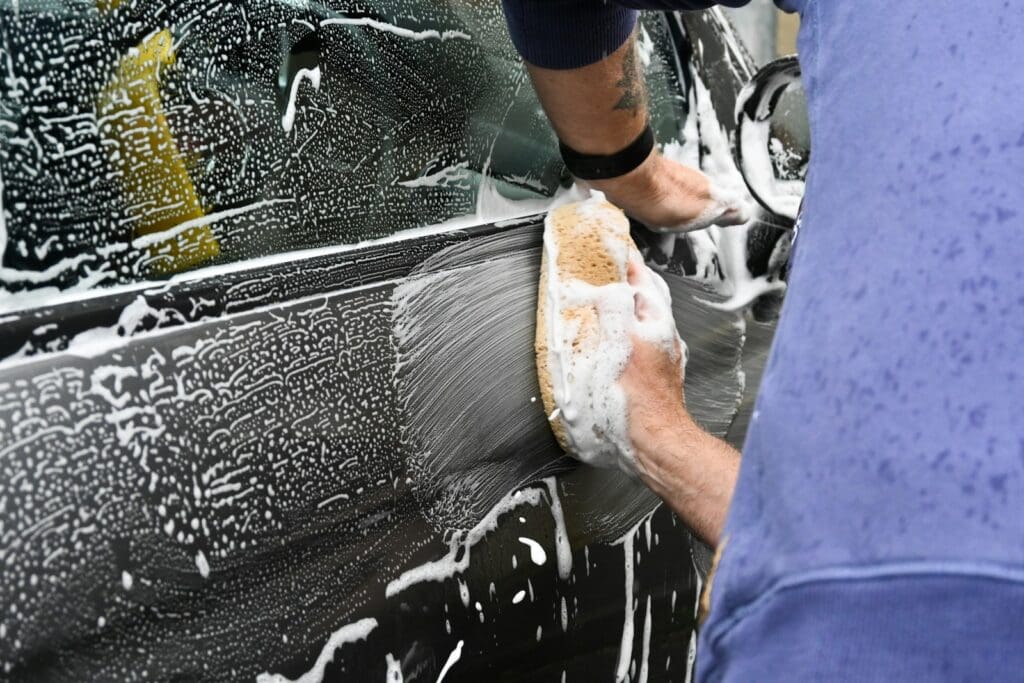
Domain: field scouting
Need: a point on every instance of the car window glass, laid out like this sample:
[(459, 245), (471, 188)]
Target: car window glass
[(140, 139)]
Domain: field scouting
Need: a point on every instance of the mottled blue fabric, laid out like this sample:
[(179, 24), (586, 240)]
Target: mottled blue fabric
[(889, 428), (877, 528)]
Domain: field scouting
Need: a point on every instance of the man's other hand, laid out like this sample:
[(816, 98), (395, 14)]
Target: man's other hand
[(653, 384), (666, 196), (691, 470), (601, 108)]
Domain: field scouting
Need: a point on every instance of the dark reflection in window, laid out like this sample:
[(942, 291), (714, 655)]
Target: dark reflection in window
[(139, 139)]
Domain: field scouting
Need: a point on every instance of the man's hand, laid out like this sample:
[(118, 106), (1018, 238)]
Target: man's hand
[(653, 383), (691, 470), (601, 109), (665, 195)]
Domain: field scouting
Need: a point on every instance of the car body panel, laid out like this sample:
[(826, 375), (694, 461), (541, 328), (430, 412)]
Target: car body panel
[(214, 476)]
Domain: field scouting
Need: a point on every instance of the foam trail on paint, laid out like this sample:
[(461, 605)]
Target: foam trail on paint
[(400, 31), (626, 645), (537, 554), (350, 633), (394, 671), (646, 651), (467, 358), (453, 658), (563, 550), (456, 560)]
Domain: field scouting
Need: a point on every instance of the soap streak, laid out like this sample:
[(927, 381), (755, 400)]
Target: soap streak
[(399, 31), (537, 553), (350, 633), (626, 645), (311, 75), (452, 659), (646, 652)]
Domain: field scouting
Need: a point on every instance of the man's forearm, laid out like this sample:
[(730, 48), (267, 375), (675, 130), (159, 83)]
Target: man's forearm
[(596, 109), (695, 473), (601, 109)]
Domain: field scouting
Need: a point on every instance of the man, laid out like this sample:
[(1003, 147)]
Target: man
[(877, 526)]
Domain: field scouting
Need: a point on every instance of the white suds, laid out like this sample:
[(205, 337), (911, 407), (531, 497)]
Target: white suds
[(349, 633), (563, 550), (585, 363), (202, 565), (646, 652), (148, 240), (452, 659), (450, 176), (537, 553), (626, 646), (394, 672), (644, 47), (461, 544), (400, 31), (313, 76)]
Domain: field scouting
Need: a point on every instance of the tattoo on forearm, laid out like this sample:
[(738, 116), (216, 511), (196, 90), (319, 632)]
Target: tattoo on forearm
[(631, 83)]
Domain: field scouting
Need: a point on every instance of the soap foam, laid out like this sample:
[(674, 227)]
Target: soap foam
[(720, 252), (585, 363)]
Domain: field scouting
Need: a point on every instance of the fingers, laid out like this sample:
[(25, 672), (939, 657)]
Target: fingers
[(633, 270), (651, 299), (641, 308), (695, 202), (713, 213), (668, 196), (733, 216), (638, 278)]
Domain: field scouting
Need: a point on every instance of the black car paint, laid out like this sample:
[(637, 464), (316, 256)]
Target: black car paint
[(77, 516)]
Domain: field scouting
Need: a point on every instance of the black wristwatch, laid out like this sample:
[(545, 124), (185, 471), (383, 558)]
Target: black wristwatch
[(601, 166)]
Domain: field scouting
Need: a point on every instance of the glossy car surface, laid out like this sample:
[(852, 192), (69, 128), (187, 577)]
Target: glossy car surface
[(266, 394)]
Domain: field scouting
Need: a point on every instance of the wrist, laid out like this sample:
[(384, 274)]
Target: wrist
[(663, 445), (596, 167), (693, 472), (639, 185)]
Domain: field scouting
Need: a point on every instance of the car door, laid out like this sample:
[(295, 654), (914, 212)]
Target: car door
[(267, 400)]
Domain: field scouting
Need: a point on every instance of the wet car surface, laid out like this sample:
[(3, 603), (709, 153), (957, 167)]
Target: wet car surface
[(236, 428)]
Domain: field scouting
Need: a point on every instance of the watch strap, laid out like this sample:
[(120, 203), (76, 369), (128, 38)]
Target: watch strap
[(604, 166)]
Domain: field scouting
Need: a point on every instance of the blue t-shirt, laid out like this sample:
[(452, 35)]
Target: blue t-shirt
[(877, 528)]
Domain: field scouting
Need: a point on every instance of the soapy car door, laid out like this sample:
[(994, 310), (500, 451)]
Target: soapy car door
[(229, 234)]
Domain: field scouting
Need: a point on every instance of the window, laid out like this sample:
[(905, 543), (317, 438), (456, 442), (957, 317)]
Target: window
[(136, 147)]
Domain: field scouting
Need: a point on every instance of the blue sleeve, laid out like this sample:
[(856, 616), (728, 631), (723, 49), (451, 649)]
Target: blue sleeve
[(567, 34)]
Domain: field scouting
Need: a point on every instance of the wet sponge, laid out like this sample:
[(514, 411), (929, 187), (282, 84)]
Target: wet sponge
[(587, 316)]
